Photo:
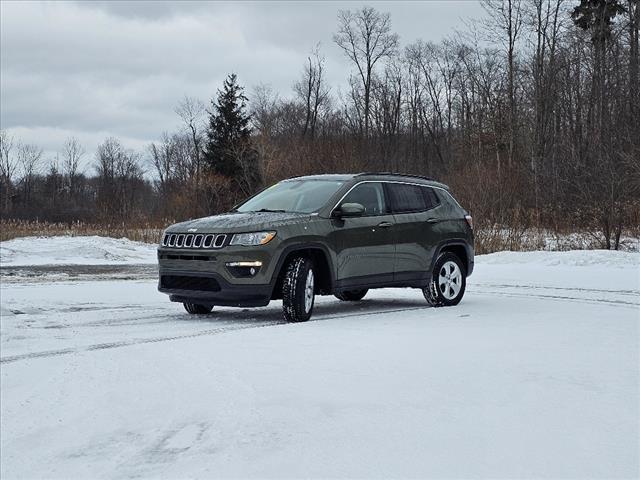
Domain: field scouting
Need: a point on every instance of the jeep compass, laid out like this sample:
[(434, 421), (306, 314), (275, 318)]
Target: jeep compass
[(322, 235)]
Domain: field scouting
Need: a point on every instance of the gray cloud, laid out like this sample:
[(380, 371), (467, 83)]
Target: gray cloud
[(118, 68)]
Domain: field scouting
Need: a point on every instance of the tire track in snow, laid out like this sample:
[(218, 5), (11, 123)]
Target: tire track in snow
[(615, 303), (128, 343), (481, 288), (235, 326), (633, 293), (212, 331)]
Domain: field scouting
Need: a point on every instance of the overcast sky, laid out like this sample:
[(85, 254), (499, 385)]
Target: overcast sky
[(99, 69)]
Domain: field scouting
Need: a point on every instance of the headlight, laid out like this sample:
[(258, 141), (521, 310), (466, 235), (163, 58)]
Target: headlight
[(254, 238)]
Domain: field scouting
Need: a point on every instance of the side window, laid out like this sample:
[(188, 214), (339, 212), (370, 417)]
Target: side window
[(370, 196), (431, 198), (406, 198), (449, 199)]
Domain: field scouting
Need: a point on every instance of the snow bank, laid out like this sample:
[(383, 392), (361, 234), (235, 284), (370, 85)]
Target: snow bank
[(95, 250), (67, 250), (572, 258), (583, 269)]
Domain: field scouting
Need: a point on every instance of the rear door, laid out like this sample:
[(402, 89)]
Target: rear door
[(417, 229), (365, 246)]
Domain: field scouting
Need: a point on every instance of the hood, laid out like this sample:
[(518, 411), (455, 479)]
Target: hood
[(236, 222)]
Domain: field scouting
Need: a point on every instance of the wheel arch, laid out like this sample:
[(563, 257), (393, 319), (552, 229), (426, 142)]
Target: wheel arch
[(458, 247), (319, 254)]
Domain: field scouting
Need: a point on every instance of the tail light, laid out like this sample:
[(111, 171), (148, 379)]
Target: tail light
[(469, 220)]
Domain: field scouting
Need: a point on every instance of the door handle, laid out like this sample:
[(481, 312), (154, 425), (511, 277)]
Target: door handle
[(433, 220), (385, 224)]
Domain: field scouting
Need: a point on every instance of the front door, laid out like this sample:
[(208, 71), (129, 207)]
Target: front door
[(365, 247)]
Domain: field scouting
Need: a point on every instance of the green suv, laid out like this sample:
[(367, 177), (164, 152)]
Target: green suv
[(322, 235)]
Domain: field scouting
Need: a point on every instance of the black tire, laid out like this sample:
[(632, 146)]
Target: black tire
[(351, 295), (197, 309), (450, 291), (296, 305)]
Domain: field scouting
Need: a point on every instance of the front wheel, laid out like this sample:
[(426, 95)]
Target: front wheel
[(197, 309), (298, 290), (448, 281)]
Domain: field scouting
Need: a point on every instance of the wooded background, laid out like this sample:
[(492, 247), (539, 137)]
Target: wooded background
[(531, 116)]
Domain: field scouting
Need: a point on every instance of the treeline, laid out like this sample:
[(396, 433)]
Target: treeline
[(58, 190), (531, 115)]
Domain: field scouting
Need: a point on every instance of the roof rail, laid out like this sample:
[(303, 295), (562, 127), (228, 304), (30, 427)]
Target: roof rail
[(396, 175)]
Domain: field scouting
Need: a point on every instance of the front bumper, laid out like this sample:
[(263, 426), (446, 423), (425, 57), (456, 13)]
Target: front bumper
[(210, 288), (203, 277)]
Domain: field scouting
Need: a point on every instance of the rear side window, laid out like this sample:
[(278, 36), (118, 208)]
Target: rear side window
[(407, 198), (449, 199), (431, 198)]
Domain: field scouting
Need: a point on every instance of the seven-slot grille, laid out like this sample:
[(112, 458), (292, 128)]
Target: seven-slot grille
[(193, 240)]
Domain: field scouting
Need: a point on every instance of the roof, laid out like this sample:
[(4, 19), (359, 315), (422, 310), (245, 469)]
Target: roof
[(343, 177), (393, 174), (403, 176), (326, 176)]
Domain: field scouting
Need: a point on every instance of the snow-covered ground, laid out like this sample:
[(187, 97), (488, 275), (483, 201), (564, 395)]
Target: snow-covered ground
[(66, 250), (535, 374)]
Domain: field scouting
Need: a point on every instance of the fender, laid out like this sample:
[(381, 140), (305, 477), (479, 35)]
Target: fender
[(303, 246), (456, 242)]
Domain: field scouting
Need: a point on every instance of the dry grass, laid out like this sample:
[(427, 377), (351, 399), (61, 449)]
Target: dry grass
[(488, 239), (499, 238), (18, 228)]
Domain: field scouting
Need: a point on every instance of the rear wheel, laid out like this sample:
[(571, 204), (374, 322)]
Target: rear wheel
[(448, 281), (351, 295), (298, 290), (197, 309)]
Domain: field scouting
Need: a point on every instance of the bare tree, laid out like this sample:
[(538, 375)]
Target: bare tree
[(163, 159), (505, 21), (192, 111), (544, 19), (119, 176), (8, 162), (633, 12), (436, 68), (312, 90), (8, 165), (264, 109), (29, 158), (352, 106), (386, 109), (72, 153), (365, 37)]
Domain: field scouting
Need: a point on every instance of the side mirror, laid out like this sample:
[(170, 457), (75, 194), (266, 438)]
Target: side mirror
[(349, 210)]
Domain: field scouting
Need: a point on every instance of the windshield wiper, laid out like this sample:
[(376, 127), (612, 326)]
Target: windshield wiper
[(268, 210)]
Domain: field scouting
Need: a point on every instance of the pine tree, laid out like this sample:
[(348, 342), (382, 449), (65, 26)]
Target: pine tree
[(597, 16), (228, 149)]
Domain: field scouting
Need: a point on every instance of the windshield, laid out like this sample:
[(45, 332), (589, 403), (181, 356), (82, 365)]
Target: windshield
[(299, 196)]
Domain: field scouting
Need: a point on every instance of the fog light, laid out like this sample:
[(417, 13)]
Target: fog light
[(257, 263), (244, 269)]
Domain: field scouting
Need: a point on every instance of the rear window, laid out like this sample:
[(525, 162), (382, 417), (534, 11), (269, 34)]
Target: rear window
[(407, 198)]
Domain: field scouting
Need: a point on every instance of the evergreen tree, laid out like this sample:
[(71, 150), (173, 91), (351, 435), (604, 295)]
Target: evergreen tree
[(228, 150), (597, 16)]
